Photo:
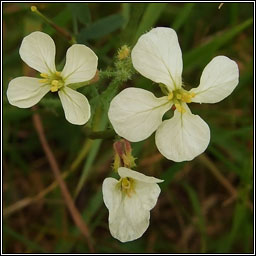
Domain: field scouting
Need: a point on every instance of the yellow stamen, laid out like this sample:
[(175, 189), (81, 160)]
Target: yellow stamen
[(178, 96), (54, 88), (58, 73), (192, 94), (183, 110), (117, 162), (170, 96), (44, 75), (126, 183), (186, 97), (180, 108), (43, 81), (55, 83)]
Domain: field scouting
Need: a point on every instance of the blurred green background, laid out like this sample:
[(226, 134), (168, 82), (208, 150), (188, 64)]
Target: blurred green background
[(206, 205)]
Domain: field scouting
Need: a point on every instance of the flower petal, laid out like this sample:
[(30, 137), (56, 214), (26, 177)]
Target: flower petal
[(125, 172), (128, 220), (38, 51), (112, 195), (81, 64), (148, 194), (157, 56), (76, 106), (136, 113), (25, 92), (183, 137), (218, 80)]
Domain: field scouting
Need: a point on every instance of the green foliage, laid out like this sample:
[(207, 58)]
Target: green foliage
[(182, 16), (27, 242), (101, 28), (81, 12), (207, 50), (149, 18)]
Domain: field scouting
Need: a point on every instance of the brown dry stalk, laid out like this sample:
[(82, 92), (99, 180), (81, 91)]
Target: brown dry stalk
[(29, 200), (214, 170), (55, 168), (225, 182)]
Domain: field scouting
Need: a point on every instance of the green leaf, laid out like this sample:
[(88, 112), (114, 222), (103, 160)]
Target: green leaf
[(75, 86), (239, 219), (169, 174), (95, 203), (61, 19), (101, 28), (109, 93), (136, 12), (81, 11), (92, 155), (126, 12), (204, 52), (198, 212), (182, 16), (27, 242), (150, 17)]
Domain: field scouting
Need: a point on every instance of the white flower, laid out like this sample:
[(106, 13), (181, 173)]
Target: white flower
[(38, 51), (136, 113), (129, 202)]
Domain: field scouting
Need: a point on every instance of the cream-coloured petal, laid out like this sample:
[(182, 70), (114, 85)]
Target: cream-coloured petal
[(81, 64), (183, 137), (125, 172), (130, 221), (25, 92), (76, 106), (136, 113), (112, 195), (148, 194), (38, 51), (218, 80), (121, 227), (157, 56)]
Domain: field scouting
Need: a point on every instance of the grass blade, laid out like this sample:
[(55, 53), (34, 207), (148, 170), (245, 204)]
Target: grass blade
[(150, 17)]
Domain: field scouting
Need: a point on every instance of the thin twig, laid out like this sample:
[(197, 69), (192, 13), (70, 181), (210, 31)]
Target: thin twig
[(55, 168), (214, 170), (225, 182), (59, 29), (19, 205), (189, 231)]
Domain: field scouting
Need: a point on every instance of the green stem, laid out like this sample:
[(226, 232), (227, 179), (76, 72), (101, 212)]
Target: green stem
[(75, 26), (106, 134), (101, 124), (61, 30)]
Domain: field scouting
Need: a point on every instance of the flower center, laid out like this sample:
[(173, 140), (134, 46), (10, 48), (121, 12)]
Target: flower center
[(55, 80), (180, 96), (127, 186)]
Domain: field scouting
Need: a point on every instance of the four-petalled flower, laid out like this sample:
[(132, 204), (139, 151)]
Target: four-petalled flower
[(38, 51), (129, 202), (136, 113)]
